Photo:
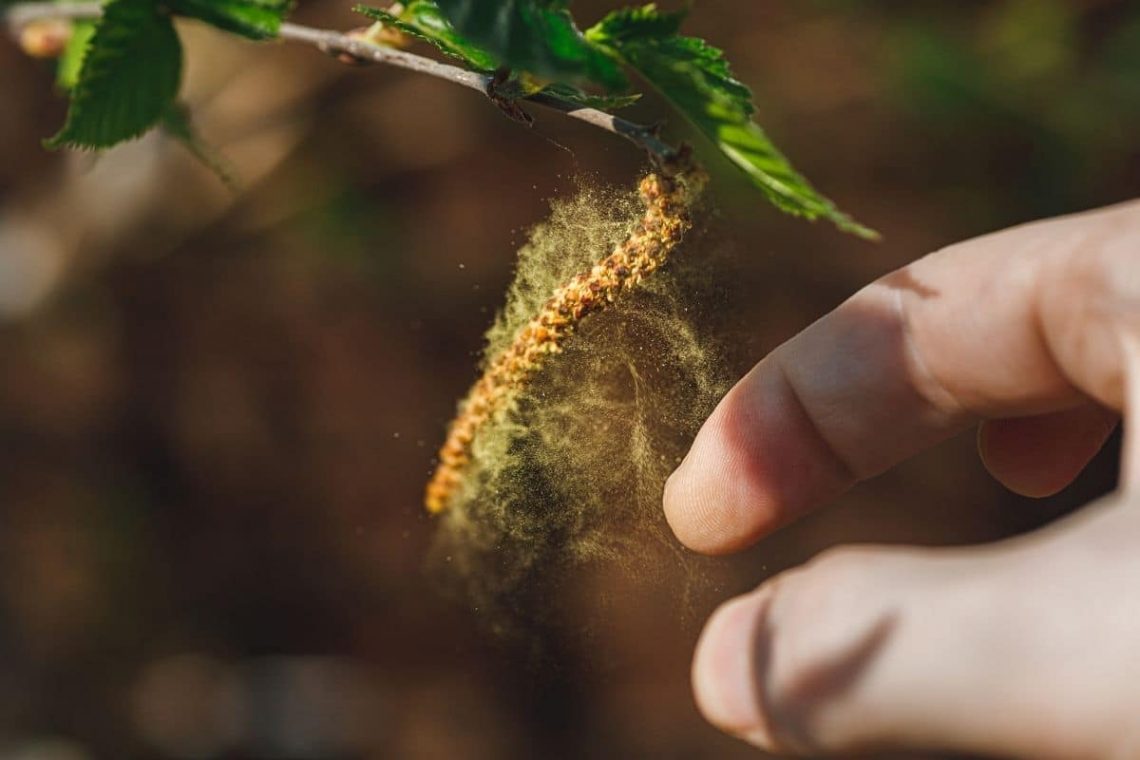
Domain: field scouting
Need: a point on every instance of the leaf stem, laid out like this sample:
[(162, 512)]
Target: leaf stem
[(19, 15)]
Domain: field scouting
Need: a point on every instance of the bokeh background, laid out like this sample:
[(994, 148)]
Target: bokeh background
[(218, 408)]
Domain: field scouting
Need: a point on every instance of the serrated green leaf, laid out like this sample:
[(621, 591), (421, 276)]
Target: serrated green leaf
[(129, 77), (636, 22), (538, 36), (254, 19), (424, 20), (696, 78), (71, 61)]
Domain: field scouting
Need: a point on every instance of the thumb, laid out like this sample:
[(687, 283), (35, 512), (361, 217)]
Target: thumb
[(872, 647)]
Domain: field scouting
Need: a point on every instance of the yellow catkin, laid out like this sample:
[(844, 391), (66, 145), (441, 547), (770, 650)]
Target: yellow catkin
[(668, 199)]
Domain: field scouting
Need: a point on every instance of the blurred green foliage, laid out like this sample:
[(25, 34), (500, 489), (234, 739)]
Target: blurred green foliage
[(1047, 84)]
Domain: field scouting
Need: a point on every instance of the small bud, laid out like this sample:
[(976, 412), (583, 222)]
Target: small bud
[(46, 38), (381, 34)]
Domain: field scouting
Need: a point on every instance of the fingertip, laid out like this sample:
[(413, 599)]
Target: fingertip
[(757, 463), (714, 502), (725, 685), (1006, 465), (1039, 456)]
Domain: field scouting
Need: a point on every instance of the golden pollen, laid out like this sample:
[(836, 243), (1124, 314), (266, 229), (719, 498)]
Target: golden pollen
[(668, 200)]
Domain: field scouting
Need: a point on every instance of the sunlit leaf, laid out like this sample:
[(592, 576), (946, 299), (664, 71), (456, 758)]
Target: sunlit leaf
[(424, 20), (696, 78), (71, 62), (538, 36)]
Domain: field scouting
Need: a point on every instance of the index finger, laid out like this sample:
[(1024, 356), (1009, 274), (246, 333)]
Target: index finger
[(1021, 322)]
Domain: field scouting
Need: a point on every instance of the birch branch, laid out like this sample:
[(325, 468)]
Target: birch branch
[(19, 15)]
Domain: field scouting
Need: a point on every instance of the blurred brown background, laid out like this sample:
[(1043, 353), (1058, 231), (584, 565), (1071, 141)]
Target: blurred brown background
[(218, 409)]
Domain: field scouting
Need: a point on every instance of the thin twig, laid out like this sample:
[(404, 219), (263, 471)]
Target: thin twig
[(18, 15)]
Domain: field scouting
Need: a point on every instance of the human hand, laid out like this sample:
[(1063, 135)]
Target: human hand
[(1028, 647)]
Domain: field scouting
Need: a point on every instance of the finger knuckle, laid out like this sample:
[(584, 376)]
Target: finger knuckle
[(820, 619)]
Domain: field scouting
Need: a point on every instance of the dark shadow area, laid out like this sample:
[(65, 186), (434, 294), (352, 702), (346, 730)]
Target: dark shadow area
[(818, 687)]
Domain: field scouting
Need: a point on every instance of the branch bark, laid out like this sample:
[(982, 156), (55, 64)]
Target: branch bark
[(19, 15)]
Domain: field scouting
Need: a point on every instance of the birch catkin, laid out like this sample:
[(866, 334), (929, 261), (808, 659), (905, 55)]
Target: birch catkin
[(668, 199)]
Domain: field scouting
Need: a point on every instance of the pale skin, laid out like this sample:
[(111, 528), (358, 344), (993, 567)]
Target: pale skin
[(1025, 648)]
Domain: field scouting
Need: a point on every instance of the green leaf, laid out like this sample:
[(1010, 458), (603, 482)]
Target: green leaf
[(424, 20), (129, 77), (537, 36), (255, 19), (633, 23), (696, 78), (71, 61)]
